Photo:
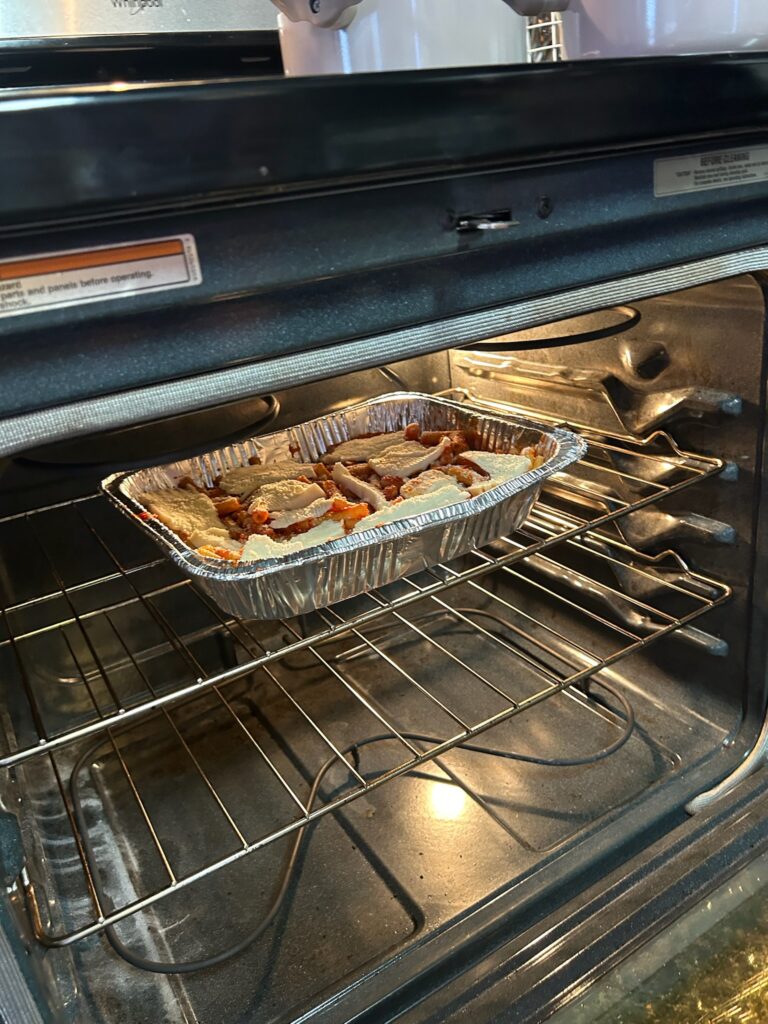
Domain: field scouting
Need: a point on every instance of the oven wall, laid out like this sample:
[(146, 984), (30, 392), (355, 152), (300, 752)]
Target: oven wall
[(692, 366)]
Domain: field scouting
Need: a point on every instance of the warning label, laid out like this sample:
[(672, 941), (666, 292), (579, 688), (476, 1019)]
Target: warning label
[(55, 279), (722, 169)]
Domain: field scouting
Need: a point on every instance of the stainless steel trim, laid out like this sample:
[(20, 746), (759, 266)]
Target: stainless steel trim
[(143, 404), (41, 18)]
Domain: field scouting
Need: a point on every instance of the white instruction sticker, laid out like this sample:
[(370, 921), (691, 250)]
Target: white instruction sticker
[(50, 280), (721, 169)]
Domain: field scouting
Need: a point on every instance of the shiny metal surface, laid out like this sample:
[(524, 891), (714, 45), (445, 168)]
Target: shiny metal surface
[(342, 569), (483, 222), (62, 19), (755, 760), (669, 361), (636, 412), (631, 611), (331, 14), (101, 669), (335, 37), (634, 28), (650, 529), (26, 612)]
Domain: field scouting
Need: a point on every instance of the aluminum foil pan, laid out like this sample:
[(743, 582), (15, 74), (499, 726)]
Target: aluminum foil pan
[(332, 572)]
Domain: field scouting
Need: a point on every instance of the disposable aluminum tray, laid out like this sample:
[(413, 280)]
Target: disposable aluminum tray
[(332, 572)]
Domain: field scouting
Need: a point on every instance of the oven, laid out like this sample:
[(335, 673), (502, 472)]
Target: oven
[(475, 790)]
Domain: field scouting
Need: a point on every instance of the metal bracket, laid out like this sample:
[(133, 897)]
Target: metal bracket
[(757, 757)]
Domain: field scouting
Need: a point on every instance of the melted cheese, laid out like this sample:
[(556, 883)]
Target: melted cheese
[(281, 520), (407, 458), (244, 480), (192, 516), (499, 468), (415, 506), (215, 537), (365, 491), (184, 511), (258, 547), (361, 449), (431, 480)]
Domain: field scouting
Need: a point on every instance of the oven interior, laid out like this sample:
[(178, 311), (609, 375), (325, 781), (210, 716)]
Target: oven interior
[(335, 793)]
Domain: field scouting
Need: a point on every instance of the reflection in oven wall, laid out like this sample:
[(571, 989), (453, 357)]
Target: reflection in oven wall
[(689, 365)]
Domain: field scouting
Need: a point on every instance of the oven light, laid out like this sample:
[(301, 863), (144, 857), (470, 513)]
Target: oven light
[(447, 801)]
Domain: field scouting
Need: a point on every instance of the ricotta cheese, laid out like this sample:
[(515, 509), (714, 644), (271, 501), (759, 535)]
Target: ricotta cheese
[(191, 515), (415, 506), (215, 537), (282, 520), (244, 480), (286, 494), (431, 480)]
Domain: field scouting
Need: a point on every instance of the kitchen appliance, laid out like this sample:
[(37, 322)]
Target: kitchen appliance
[(634, 28), (472, 791), (41, 19), (392, 35)]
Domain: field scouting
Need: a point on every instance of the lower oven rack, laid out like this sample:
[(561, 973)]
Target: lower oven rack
[(568, 552)]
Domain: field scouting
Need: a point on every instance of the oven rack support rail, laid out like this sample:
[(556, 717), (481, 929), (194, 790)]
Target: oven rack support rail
[(638, 473)]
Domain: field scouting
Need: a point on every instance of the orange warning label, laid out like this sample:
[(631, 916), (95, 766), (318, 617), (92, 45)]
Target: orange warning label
[(50, 280)]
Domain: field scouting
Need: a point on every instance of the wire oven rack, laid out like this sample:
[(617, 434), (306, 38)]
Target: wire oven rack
[(102, 690)]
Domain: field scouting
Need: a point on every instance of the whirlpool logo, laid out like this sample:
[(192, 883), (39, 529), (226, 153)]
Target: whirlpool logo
[(136, 6)]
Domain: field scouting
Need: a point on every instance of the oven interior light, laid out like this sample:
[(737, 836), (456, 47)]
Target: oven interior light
[(447, 801)]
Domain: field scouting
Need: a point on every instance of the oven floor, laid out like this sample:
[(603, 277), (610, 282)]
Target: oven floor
[(387, 871)]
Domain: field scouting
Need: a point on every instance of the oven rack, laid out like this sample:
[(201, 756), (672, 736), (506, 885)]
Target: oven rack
[(566, 553), (618, 476)]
